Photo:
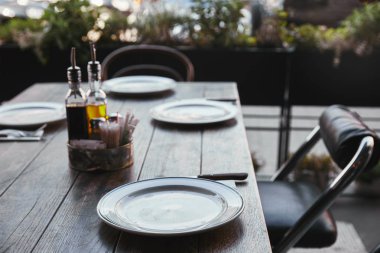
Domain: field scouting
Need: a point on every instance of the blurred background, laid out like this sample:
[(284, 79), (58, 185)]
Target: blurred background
[(256, 41)]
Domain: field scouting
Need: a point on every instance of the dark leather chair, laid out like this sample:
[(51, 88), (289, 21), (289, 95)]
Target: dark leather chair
[(376, 249), (296, 213), (148, 60)]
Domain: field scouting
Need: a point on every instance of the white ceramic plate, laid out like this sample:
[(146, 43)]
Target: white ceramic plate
[(170, 206), (31, 114), (138, 85), (193, 111)]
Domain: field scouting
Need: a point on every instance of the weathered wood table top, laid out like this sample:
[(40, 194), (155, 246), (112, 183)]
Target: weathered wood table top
[(47, 207)]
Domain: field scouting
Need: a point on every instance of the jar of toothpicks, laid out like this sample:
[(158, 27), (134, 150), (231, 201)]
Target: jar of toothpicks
[(109, 147)]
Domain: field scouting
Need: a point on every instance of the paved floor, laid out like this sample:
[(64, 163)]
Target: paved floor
[(348, 241), (359, 207)]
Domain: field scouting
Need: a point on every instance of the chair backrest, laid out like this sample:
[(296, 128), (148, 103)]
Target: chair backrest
[(352, 145), (148, 60)]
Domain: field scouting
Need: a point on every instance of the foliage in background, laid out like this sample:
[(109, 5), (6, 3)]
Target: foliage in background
[(273, 32), (25, 33), (110, 28), (320, 37), (209, 23), (313, 162), (370, 176), (65, 24), (162, 25), (363, 26), (68, 22), (359, 32), (318, 168), (257, 161), (217, 23)]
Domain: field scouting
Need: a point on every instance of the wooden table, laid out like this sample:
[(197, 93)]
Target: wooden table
[(47, 207)]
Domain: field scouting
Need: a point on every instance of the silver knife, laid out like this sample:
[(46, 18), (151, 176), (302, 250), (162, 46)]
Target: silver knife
[(26, 138), (229, 179), (225, 176)]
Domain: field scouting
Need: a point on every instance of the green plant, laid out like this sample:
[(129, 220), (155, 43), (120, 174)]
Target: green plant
[(313, 162), (25, 32), (217, 23), (71, 23), (161, 25), (320, 37), (363, 26), (68, 22), (65, 24), (370, 176), (318, 168), (257, 161), (359, 32), (209, 23), (273, 31), (111, 27)]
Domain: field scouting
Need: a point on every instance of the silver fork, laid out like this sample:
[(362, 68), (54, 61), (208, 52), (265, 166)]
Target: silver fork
[(22, 133)]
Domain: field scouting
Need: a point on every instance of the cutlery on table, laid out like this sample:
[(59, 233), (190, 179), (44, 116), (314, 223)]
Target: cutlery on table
[(229, 179), (225, 176), (22, 135), (231, 100)]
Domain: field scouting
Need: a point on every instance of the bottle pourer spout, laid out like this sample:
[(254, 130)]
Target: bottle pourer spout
[(93, 52), (73, 72), (73, 58), (93, 66)]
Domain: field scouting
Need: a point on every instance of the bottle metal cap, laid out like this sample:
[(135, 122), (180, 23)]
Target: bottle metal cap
[(95, 122), (74, 74), (94, 70), (95, 128), (114, 117)]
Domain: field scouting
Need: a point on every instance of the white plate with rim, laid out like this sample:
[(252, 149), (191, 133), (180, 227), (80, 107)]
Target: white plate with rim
[(170, 206), (31, 113), (194, 111), (134, 85)]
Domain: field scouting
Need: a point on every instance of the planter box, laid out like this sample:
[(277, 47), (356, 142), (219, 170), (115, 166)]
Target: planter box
[(20, 68), (260, 73), (315, 81)]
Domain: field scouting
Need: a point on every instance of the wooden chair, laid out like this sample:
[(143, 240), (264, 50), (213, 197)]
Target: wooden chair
[(148, 60), (296, 212)]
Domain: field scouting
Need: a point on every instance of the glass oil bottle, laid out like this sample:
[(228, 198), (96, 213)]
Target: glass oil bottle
[(75, 103), (96, 98)]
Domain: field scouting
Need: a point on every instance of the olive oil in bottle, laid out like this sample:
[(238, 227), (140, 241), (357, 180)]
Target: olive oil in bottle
[(96, 111), (75, 101), (96, 98)]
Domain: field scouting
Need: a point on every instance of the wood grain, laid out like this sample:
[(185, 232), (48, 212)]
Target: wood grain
[(174, 151), (230, 140), (12, 166), (89, 188), (46, 207), (32, 200)]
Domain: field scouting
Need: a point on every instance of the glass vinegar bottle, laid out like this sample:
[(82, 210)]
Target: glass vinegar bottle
[(75, 103)]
